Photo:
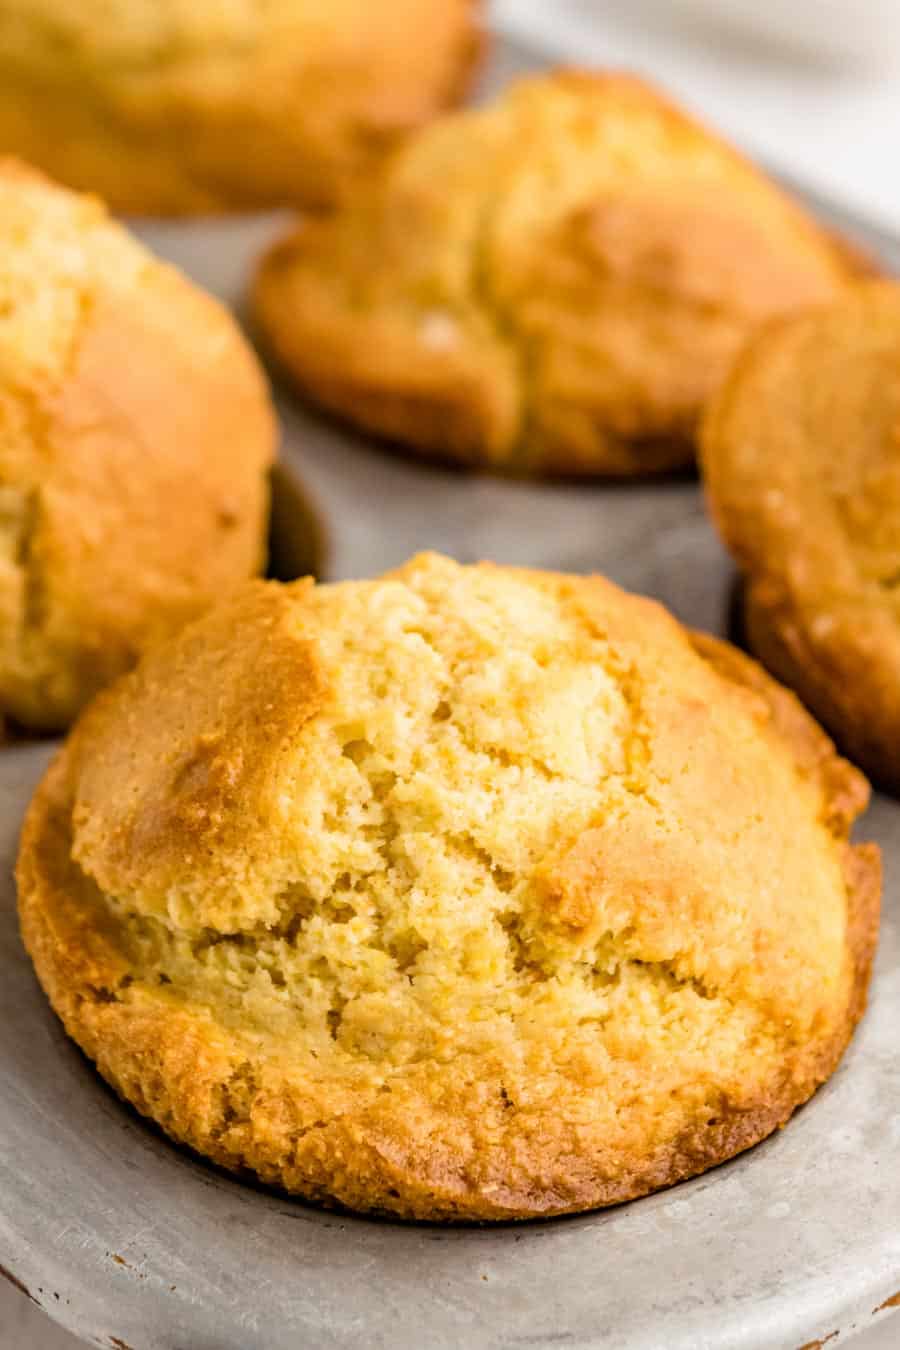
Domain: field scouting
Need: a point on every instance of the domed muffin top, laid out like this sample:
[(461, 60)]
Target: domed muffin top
[(136, 435), (500, 872), (801, 462), (556, 281), (186, 106)]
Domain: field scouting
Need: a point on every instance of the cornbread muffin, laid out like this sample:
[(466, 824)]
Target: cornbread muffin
[(135, 437), (463, 893), (180, 106), (555, 283), (801, 454)]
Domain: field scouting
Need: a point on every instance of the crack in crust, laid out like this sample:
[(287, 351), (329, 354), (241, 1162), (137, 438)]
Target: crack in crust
[(577, 1028)]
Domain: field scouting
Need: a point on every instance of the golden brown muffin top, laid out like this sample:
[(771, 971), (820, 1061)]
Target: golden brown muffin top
[(199, 105), (801, 455), (135, 437), (497, 873), (132, 37), (58, 252), (564, 275)]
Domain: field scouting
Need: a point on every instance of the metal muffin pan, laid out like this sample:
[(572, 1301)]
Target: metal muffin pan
[(131, 1242)]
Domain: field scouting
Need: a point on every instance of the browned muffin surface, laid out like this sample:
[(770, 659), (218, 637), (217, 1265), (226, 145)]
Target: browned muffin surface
[(554, 283), (136, 433), (460, 893), (801, 455), (182, 106)]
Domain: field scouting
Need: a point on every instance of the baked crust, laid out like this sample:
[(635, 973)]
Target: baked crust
[(555, 283), (184, 106), (642, 1050), (799, 457), (136, 434)]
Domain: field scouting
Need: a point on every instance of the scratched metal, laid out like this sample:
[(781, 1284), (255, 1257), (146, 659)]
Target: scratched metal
[(129, 1241)]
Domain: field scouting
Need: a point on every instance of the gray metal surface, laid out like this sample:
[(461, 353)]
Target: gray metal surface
[(130, 1242)]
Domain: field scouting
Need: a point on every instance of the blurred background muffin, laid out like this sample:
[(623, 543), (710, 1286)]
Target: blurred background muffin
[(136, 435), (179, 106), (554, 283), (801, 457)]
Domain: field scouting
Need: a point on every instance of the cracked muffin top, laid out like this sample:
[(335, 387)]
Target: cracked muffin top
[(135, 437), (553, 283), (178, 106), (466, 892), (801, 458)]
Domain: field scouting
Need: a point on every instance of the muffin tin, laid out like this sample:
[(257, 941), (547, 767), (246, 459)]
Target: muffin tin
[(130, 1242)]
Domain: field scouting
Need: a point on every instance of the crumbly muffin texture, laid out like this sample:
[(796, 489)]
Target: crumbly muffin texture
[(556, 282), (461, 893), (178, 106), (801, 455), (135, 437)]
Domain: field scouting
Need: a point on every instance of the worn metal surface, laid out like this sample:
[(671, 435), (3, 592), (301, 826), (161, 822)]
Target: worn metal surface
[(129, 1242)]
